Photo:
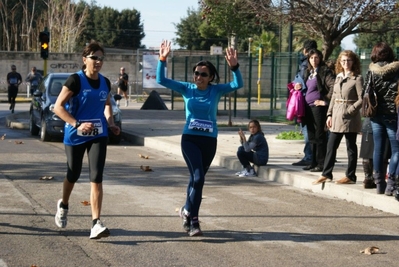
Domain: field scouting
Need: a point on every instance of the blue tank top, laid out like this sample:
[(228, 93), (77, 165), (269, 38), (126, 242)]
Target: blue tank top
[(87, 106)]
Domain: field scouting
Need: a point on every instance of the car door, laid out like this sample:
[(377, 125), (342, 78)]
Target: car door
[(38, 100)]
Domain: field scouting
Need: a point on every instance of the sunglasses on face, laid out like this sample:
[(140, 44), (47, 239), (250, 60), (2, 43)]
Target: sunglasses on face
[(202, 74), (95, 58)]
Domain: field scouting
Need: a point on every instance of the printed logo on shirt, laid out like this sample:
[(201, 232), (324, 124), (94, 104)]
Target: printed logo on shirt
[(201, 125), (103, 95)]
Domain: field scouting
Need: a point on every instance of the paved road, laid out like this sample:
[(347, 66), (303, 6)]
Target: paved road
[(247, 222)]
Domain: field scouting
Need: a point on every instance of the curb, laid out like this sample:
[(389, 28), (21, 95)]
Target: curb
[(282, 174), (18, 121)]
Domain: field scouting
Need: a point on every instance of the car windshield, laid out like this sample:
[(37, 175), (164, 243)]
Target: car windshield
[(56, 86)]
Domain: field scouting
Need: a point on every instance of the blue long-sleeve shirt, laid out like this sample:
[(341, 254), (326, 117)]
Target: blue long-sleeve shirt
[(201, 105)]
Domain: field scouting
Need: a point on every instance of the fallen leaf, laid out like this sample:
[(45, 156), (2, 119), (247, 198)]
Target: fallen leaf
[(3, 137), (145, 168), (85, 203), (18, 142), (177, 209), (46, 178), (143, 156), (370, 250)]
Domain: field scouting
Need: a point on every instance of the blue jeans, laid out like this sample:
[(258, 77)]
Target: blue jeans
[(307, 150), (384, 130)]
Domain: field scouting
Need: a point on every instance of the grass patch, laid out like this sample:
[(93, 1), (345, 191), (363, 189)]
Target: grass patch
[(291, 135)]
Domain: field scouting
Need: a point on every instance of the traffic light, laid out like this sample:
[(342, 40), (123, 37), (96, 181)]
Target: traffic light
[(44, 38), (259, 54)]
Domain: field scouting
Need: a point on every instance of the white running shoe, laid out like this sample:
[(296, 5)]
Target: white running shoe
[(246, 173), (99, 230), (240, 172), (61, 215), (127, 103)]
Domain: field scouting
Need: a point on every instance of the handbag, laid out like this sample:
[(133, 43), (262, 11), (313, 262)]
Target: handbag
[(369, 104)]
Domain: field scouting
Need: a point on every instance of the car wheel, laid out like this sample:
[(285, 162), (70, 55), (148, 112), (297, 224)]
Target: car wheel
[(44, 136), (115, 139), (33, 129)]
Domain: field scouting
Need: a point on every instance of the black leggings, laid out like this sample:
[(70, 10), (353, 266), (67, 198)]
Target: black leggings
[(198, 152), (12, 93), (96, 153)]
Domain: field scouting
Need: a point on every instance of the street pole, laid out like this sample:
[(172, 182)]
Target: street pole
[(45, 67), (259, 70)]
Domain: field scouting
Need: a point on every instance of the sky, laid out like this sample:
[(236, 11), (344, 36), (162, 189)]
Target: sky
[(159, 17)]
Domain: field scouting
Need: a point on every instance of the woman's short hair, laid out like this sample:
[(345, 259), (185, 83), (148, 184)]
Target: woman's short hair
[(92, 48), (212, 70), (382, 52)]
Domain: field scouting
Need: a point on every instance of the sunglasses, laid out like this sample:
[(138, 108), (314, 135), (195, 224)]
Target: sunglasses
[(95, 58), (202, 74)]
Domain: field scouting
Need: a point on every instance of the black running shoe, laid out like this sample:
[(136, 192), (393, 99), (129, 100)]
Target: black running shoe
[(186, 219), (195, 230)]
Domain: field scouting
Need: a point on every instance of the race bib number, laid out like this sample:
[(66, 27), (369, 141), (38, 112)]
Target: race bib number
[(35, 82), (13, 80), (98, 128), (201, 125)]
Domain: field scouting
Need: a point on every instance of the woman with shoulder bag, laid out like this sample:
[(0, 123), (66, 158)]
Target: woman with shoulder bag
[(385, 73)]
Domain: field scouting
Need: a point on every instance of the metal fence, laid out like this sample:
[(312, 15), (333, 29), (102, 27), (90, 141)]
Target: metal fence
[(265, 85), (268, 99)]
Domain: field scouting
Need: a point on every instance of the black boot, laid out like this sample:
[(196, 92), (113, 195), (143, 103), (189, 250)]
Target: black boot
[(368, 181), (380, 182), (396, 192), (391, 185)]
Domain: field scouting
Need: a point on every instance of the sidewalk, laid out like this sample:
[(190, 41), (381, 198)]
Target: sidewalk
[(161, 129)]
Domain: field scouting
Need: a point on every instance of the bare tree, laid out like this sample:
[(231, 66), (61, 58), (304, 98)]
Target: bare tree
[(5, 14), (27, 20), (332, 20), (63, 24)]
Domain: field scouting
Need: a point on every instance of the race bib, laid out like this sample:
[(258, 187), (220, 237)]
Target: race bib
[(201, 125), (13, 80), (98, 128), (35, 82)]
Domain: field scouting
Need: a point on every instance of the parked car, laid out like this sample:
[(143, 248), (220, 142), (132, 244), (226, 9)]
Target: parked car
[(45, 122)]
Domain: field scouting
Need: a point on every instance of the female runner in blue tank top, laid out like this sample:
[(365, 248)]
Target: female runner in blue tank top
[(198, 142), (85, 106)]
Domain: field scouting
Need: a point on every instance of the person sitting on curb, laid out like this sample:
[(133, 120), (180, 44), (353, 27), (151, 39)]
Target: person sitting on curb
[(254, 150)]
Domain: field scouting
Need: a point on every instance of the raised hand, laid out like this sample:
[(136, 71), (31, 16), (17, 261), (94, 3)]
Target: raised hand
[(164, 48), (231, 57)]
